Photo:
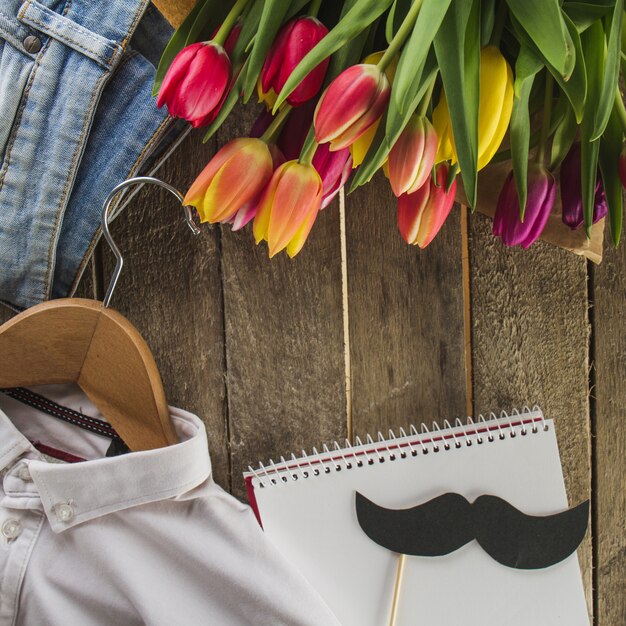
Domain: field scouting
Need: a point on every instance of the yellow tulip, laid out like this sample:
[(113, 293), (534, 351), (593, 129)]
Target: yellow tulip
[(359, 148), (494, 109)]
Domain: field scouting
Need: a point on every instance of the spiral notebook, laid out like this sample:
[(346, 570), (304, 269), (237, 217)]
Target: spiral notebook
[(307, 507)]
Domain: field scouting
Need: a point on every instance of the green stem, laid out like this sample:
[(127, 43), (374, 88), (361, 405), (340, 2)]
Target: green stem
[(621, 111), (545, 122), (314, 8), (400, 37), (228, 23), (307, 157), (423, 107), (498, 26), (277, 123)]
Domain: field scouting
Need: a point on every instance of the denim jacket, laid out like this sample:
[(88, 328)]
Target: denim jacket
[(76, 118)]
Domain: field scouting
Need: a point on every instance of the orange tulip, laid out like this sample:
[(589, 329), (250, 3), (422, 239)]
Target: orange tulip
[(288, 208), (421, 214), (232, 178)]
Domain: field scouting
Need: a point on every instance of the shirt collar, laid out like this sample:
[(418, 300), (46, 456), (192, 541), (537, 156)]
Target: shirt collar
[(78, 492)]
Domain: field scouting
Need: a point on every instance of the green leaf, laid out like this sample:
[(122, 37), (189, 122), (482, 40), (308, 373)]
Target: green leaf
[(271, 20), (576, 87), (427, 24), (526, 67), (349, 54), (487, 21), (583, 14), (610, 149), (248, 30), (395, 17), (177, 43), (390, 128), (457, 47), (611, 70), (361, 15), (563, 137), (593, 48), (543, 21), (207, 21)]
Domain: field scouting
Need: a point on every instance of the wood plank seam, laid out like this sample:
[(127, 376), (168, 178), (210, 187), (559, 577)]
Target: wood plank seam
[(346, 311), (467, 312), (593, 522), (226, 404)]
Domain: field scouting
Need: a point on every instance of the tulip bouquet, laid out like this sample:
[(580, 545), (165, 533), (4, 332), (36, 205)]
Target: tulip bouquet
[(429, 91)]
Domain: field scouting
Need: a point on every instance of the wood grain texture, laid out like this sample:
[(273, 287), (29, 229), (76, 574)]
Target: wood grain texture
[(530, 345), (170, 289), (406, 317), (284, 339), (174, 11), (609, 312)]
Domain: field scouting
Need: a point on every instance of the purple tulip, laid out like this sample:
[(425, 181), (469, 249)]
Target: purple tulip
[(571, 192), (541, 194)]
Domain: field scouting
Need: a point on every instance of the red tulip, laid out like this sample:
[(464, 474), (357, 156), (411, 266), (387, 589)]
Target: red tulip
[(412, 157), (232, 178), (292, 44), (288, 208), (196, 83), (354, 101), (422, 213), (541, 194), (571, 192)]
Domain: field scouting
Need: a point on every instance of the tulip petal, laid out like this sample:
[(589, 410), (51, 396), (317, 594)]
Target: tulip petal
[(350, 105), (410, 212), (437, 210), (261, 223), (299, 190), (176, 73), (299, 239)]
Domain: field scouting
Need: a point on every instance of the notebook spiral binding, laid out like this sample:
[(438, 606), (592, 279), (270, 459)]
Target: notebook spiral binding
[(397, 447)]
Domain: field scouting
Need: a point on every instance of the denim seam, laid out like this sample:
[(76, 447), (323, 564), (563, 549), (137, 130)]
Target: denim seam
[(133, 26), (51, 32), (80, 147), (18, 116), (96, 237)]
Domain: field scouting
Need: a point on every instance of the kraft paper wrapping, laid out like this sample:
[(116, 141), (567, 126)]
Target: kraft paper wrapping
[(490, 180)]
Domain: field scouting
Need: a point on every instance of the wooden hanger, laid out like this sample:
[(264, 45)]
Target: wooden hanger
[(81, 341)]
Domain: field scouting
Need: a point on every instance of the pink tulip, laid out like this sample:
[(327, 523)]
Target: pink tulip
[(294, 41), (621, 164), (541, 194), (412, 157), (196, 83), (288, 208), (334, 169), (232, 178), (422, 213), (354, 101), (571, 192)]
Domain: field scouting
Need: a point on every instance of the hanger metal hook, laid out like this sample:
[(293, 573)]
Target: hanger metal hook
[(106, 209)]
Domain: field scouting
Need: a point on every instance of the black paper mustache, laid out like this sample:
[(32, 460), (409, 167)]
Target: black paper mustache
[(448, 522)]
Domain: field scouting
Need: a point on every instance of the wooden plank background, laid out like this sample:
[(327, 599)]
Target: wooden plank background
[(362, 333)]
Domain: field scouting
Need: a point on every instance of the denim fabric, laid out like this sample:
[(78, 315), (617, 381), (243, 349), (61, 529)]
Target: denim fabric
[(76, 118)]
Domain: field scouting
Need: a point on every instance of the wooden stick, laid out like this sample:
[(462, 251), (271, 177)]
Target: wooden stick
[(396, 590)]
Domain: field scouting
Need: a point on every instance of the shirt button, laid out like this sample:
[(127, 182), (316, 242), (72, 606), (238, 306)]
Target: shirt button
[(32, 44), (11, 529), (24, 474), (65, 512)]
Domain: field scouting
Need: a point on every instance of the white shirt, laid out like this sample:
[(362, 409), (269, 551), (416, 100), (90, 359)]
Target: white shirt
[(141, 538)]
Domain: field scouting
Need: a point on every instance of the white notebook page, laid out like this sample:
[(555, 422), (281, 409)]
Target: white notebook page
[(313, 522)]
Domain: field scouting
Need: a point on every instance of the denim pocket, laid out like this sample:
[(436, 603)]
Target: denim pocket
[(15, 68)]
